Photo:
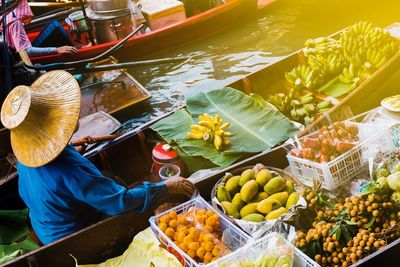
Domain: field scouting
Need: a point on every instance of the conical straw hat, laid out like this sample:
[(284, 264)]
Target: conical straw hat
[(42, 117)]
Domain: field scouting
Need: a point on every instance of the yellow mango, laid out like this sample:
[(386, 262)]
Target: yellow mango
[(238, 202), (254, 217), (249, 190), (230, 209), (248, 209), (223, 194), (232, 185), (292, 200), (267, 205), (275, 214), (282, 197), (262, 177), (246, 176), (275, 185)]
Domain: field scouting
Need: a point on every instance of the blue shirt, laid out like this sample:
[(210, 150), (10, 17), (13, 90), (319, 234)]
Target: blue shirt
[(70, 193)]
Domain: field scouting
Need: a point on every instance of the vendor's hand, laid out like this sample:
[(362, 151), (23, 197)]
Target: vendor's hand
[(180, 185), (67, 50), (88, 140)]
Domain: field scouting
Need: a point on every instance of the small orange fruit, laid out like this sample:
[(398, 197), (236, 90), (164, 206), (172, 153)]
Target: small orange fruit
[(172, 214)]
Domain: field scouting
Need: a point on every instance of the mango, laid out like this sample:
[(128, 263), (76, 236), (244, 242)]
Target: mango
[(238, 202), (248, 209), (275, 214), (249, 190), (282, 197), (262, 177), (230, 209), (232, 185), (246, 176), (292, 200), (259, 196), (223, 194), (254, 217), (268, 205), (289, 187), (275, 185)]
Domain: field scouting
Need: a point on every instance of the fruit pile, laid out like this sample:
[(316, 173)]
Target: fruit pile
[(256, 196), (300, 107), (346, 230), (197, 232), (387, 182), (329, 143), (212, 130)]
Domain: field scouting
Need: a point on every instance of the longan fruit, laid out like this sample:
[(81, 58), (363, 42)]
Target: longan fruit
[(191, 253), (318, 258), (183, 246), (208, 237), (181, 219), (209, 213)]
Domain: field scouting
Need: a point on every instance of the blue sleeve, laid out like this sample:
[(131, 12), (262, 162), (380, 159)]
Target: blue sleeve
[(40, 51), (110, 198)]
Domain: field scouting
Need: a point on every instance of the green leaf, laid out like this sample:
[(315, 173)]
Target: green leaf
[(371, 222), (13, 225), (311, 249), (334, 229), (255, 128), (350, 222), (364, 214), (346, 233), (261, 101), (336, 88), (338, 232)]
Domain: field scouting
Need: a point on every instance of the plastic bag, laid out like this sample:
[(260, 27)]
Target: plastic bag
[(270, 251)]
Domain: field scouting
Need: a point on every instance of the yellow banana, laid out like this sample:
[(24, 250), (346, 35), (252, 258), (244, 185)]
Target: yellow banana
[(206, 124), (198, 128), (224, 126), (193, 135), (219, 132), (217, 142), (227, 134)]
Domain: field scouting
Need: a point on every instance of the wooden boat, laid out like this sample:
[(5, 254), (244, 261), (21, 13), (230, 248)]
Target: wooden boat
[(112, 236), (193, 28)]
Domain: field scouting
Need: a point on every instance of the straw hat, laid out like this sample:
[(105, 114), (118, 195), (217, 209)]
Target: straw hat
[(42, 117)]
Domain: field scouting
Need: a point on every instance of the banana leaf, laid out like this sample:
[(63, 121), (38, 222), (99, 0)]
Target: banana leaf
[(337, 88), (13, 250), (13, 225), (255, 127)]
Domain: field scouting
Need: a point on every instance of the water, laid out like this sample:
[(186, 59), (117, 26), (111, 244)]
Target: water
[(249, 46)]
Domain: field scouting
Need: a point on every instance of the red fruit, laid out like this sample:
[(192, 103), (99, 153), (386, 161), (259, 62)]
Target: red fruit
[(308, 153), (296, 152), (310, 143), (343, 146), (352, 129)]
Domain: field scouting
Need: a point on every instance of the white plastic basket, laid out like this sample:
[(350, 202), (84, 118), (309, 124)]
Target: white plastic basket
[(254, 249), (234, 238), (343, 169)]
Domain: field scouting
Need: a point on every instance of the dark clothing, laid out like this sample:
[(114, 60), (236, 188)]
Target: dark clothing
[(53, 35)]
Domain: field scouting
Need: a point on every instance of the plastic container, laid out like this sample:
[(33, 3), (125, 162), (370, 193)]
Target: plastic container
[(169, 171), (254, 249), (234, 238), (344, 168), (162, 13), (77, 21)]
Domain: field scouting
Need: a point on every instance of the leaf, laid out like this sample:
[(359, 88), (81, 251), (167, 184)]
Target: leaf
[(346, 233), (255, 127), (350, 222), (336, 88), (311, 249), (371, 222), (261, 101), (338, 232), (334, 229)]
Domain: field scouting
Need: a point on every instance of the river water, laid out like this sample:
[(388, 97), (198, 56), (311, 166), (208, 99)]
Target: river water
[(249, 46)]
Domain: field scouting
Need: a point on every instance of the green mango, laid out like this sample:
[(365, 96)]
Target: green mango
[(232, 185), (275, 185), (246, 176), (223, 194)]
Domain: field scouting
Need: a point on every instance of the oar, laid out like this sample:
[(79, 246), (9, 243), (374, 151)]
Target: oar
[(97, 139), (54, 4), (72, 64)]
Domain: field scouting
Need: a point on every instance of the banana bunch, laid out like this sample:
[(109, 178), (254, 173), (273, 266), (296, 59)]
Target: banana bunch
[(211, 129), (363, 36), (354, 75), (303, 76), (321, 46), (327, 65), (300, 108)]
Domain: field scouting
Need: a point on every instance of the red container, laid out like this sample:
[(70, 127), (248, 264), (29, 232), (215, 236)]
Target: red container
[(165, 154)]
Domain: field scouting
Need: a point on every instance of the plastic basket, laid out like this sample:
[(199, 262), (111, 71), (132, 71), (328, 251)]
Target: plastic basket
[(234, 237), (254, 249), (343, 169)]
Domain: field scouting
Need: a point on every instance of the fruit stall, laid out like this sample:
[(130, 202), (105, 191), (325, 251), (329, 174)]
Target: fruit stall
[(286, 174)]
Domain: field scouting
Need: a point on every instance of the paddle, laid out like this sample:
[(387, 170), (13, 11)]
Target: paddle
[(94, 140)]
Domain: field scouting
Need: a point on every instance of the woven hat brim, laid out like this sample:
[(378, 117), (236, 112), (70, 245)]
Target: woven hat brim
[(42, 139)]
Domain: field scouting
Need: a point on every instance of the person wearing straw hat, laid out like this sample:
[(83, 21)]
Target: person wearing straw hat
[(63, 190)]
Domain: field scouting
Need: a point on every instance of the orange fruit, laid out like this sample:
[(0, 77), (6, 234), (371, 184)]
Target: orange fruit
[(201, 212), (200, 252), (165, 219), (194, 246), (162, 226), (207, 257), (210, 213), (183, 246), (191, 253), (172, 214), (209, 228), (173, 223), (181, 219), (169, 232), (215, 251), (209, 246), (208, 237)]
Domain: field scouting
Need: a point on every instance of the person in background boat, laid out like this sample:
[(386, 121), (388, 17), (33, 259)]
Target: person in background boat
[(63, 190), (53, 39)]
